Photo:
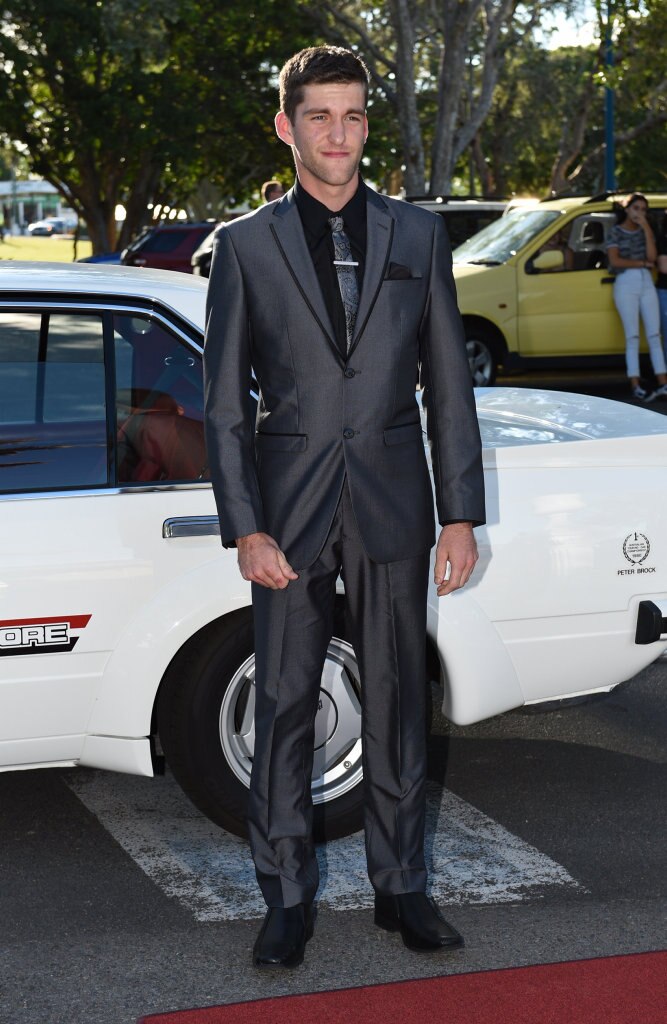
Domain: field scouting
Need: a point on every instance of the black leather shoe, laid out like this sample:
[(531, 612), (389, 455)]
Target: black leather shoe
[(419, 921), (283, 936)]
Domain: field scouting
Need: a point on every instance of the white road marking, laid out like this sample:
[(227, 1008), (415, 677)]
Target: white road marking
[(471, 858)]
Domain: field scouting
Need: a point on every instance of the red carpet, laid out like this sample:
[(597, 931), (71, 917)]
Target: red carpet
[(613, 990)]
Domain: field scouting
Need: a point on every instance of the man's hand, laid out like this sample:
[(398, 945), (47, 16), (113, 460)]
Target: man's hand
[(261, 561), (456, 545)]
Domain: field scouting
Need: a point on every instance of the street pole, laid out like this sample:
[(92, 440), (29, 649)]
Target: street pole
[(471, 161), (610, 149)]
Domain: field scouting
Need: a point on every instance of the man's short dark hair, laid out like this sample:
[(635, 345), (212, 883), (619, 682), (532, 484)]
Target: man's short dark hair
[(319, 65)]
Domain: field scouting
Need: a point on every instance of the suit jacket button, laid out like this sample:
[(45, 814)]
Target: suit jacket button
[(348, 434), (349, 372)]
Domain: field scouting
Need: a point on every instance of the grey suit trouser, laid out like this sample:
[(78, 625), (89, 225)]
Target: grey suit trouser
[(386, 606)]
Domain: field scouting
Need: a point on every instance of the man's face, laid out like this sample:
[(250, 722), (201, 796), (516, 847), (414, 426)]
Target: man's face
[(327, 135)]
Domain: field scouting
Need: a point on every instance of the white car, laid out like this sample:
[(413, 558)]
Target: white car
[(48, 226), (126, 629)]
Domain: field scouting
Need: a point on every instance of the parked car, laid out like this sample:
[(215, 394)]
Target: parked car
[(47, 226), (534, 288), (202, 256), (125, 627), (463, 217), (166, 246), (101, 257)]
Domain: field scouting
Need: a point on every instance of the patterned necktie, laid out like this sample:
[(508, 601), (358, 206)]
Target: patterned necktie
[(347, 275)]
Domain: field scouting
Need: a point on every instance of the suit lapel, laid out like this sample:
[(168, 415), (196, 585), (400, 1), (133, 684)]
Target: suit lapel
[(290, 239), (288, 233), (379, 233)]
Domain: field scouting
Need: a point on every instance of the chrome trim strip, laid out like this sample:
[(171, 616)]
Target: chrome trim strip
[(157, 313), (103, 492), (191, 526)]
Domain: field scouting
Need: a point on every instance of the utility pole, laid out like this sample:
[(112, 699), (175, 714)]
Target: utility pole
[(610, 147)]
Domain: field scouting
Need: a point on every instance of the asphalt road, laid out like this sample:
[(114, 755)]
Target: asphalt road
[(546, 842)]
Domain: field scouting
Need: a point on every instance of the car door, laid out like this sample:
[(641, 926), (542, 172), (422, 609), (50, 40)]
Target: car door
[(569, 312), (101, 441)]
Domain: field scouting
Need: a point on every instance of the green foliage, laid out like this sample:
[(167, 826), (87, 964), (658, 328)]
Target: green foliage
[(172, 101), (135, 101), (536, 95)]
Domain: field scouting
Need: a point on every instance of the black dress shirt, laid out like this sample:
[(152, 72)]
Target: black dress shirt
[(315, 220)]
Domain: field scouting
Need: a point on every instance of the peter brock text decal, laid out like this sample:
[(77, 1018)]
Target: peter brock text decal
[(636, 549), (54, 635)]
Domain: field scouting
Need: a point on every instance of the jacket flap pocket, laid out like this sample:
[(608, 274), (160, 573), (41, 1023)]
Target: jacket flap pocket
[(281, 442), (399, 435)]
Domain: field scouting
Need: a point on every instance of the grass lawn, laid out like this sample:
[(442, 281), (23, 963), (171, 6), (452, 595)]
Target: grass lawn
[(25, 247)]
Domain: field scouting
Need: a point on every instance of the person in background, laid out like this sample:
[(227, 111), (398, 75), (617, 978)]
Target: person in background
[(272, 190), (560, 243), (632, 255), (661, 282)]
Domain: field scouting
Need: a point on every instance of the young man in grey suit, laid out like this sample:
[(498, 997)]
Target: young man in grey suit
[(337, 297)]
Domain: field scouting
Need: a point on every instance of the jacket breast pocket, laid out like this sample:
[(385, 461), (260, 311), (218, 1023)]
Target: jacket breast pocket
[(400, 435), (281, 442)]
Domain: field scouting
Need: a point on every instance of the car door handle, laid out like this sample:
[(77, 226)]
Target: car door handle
[(607, 280), (191, 526)]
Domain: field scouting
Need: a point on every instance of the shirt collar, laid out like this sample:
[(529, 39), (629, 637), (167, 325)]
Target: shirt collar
[(315, 215)]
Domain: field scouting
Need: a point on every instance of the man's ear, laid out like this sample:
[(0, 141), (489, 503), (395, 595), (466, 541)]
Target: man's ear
[(284, 128)]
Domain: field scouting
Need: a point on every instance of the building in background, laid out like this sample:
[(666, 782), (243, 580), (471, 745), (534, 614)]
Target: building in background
[(26, 201)]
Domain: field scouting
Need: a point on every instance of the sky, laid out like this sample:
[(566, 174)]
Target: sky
[(579, 31)]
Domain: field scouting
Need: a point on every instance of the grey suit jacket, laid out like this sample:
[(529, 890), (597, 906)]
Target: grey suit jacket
[(322, 417)]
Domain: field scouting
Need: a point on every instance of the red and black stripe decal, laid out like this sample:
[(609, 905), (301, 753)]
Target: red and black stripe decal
[(52, 634)]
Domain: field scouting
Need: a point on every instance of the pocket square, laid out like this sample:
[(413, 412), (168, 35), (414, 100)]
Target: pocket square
[(397, 272)]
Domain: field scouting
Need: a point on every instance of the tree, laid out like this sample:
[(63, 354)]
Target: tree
[(639, 77), (536, 112), (135, 101), (436, 62), (545, 131)]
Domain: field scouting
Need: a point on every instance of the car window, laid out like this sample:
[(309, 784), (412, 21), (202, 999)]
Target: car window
[(52, 401), (159, 402), (505, 237), (164, 241), (461, 224), (588, 240)]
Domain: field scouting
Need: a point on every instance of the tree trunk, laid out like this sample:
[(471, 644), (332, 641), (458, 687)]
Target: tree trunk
[(457, 20), (572, 138), (101, 227), (136, 206), (483, 169), (411, 137)]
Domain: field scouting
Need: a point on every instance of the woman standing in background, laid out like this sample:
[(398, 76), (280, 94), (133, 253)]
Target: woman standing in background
[(632, 255)]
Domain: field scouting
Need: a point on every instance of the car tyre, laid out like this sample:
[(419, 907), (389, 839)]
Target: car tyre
[(201, 713), (482, 357)]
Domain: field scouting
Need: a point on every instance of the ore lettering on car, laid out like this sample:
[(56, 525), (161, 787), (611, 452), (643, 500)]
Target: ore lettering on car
[(34, 636)]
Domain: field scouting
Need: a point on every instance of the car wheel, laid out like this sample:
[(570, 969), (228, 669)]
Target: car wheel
[(206, 728), (481, 357)]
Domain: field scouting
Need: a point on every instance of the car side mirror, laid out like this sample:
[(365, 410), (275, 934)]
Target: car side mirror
[(552, 259)]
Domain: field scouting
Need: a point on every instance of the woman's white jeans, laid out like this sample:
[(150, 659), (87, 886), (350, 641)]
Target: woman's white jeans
[(635, 294), (662, 299)]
